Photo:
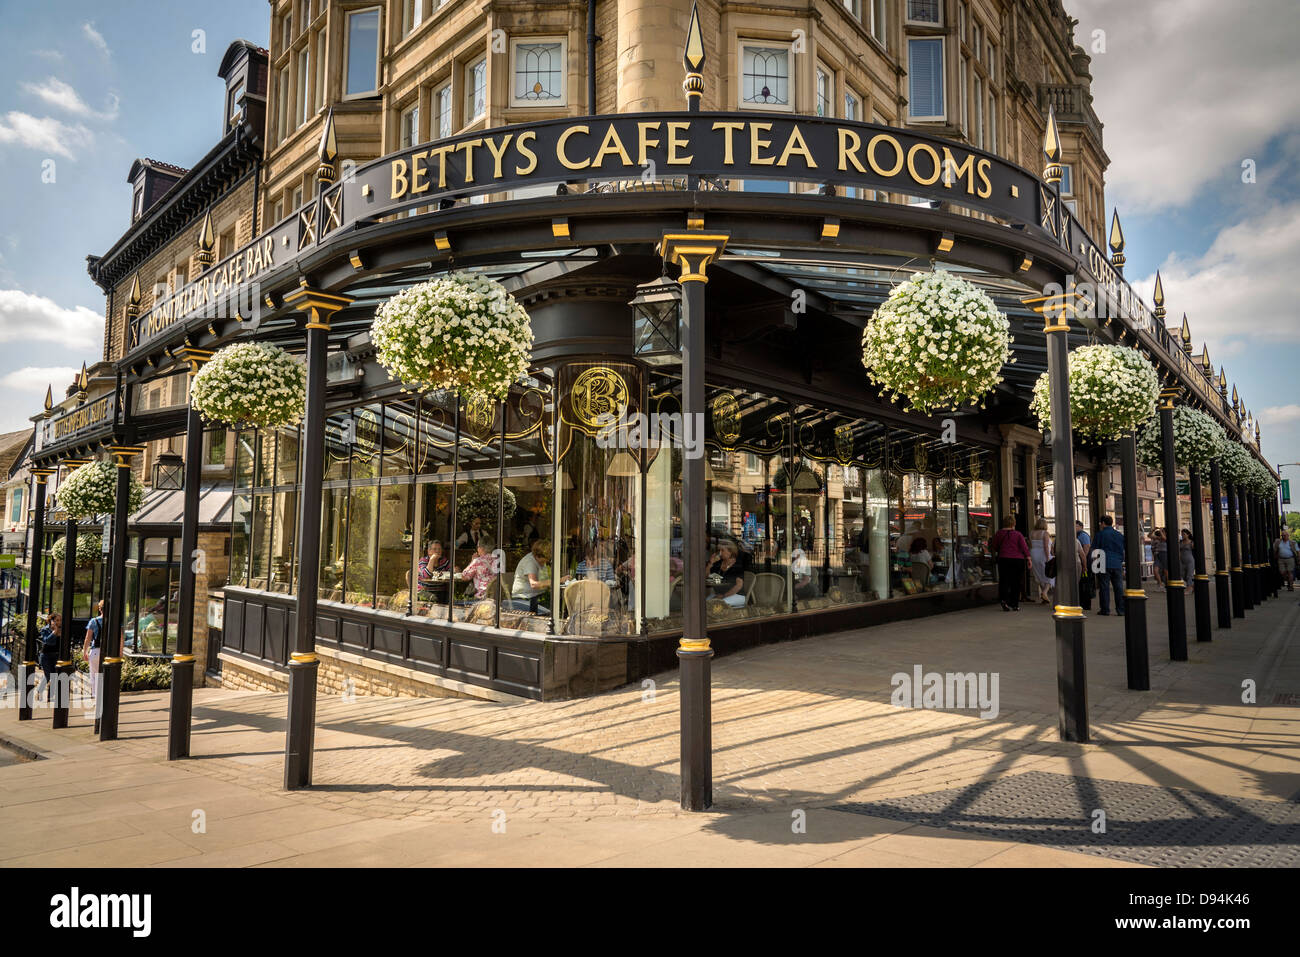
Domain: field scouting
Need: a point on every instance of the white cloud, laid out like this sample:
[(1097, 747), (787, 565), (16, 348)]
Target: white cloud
[(97, 38), (1241, 292), (1187, 90), (1276, 414), (44, 133), (61, 95), (38, 378), (49, 54), (24, 317)]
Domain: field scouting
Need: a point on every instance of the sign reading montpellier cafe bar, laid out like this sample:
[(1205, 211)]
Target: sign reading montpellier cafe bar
[(728, 145)]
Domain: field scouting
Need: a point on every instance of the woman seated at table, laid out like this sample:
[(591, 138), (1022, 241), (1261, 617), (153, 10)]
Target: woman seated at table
[(482, 568), (730, 579), (433, 560), (533, 577)]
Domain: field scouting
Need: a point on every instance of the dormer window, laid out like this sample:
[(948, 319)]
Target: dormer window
[(137, 202), (234, 109)]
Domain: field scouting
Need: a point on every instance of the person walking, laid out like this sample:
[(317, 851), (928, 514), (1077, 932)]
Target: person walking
[(1012, 553), (1160, 556), (1187, 558), (1040, 553), (1111, 543), (1086, 582), (90, 649), (1285, 550), (49, 653)]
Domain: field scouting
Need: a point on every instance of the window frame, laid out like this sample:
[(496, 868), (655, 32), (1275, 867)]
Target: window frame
[(908, 18), (347, 50), (435, 110), (411, 109), (792, 88), (563, 100), (943, 80), (471, 116), (1067, 177)]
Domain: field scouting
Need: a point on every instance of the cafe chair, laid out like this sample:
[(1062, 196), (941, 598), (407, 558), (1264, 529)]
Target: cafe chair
[(591, 598), (767, 590)]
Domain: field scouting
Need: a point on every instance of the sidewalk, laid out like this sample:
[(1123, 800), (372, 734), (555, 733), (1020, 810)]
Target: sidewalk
[(1186, 773)]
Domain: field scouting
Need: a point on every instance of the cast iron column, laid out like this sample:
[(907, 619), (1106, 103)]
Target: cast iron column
[(1247, 552), (303, 664), (110, 681), (1071, 665), (182, 697), (63, 670), (1201, 587), (27, 677), (1135, 610), (1238, 577), (694, 252), (1222, 589), (1174, 589)]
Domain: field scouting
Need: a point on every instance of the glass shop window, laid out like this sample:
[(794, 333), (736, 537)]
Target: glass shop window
[(362, 72), (925, 78)]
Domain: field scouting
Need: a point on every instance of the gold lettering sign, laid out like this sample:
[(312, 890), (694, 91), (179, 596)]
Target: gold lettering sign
[(726, 418), (598, 393), (844, 442)]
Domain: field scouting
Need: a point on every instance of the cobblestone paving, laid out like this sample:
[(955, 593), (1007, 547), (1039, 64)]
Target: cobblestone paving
[(805, 724), (1161, 827)]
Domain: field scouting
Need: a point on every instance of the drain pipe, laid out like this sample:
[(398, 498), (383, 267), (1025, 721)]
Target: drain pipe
[(591, 57)]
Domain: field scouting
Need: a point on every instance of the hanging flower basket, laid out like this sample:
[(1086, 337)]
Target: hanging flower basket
[(1260, 481), (92, 490), (479, 500), (1235, 463), (1198, 439), (90, 549), (251, 383), (1113, 390), (461, 331), (937, 341)]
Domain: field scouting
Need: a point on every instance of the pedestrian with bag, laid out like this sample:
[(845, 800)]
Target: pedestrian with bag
[(1087, 584), (1012, 553), (49, 656), (1286, 552)]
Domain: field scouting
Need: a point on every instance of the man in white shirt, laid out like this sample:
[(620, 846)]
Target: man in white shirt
[(1286, 551)]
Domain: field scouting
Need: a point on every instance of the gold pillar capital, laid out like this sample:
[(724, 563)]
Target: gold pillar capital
[(317, 305), (694, 252), (195, 357), (42, 475), (122, 454)]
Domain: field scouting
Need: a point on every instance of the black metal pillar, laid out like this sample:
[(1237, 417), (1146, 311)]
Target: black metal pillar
[(182, 696), (110, 682), (1237, 577), (1071, 663), (27, 675), (1222, 587), (1174, 588), (1135, 596), (303, 664), (1201, 586), (694, 252), (63, 670), (1247, 555)]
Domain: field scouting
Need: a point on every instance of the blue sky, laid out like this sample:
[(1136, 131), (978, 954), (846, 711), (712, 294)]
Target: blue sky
[(1186, 91)]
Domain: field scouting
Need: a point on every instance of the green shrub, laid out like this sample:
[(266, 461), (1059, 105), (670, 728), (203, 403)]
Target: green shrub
[(138, 674)]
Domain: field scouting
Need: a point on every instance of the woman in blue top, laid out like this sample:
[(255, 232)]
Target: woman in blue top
[(50, 635), (90, 648)]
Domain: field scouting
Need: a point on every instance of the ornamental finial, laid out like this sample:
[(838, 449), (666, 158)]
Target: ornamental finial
[(693, 59), (1158, 297), (1116, 242), (328, 151)]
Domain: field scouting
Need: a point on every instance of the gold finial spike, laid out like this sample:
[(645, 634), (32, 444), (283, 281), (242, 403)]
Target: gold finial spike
[(49, 397), (1205, 360), (1158, 297), (135, 290), (1236, 402), (329, 147), (207, 235), (83, 380), (1186, 335), (693, 56), (1051, 138), (1223, 383), (1116, 234), (328, 151)]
